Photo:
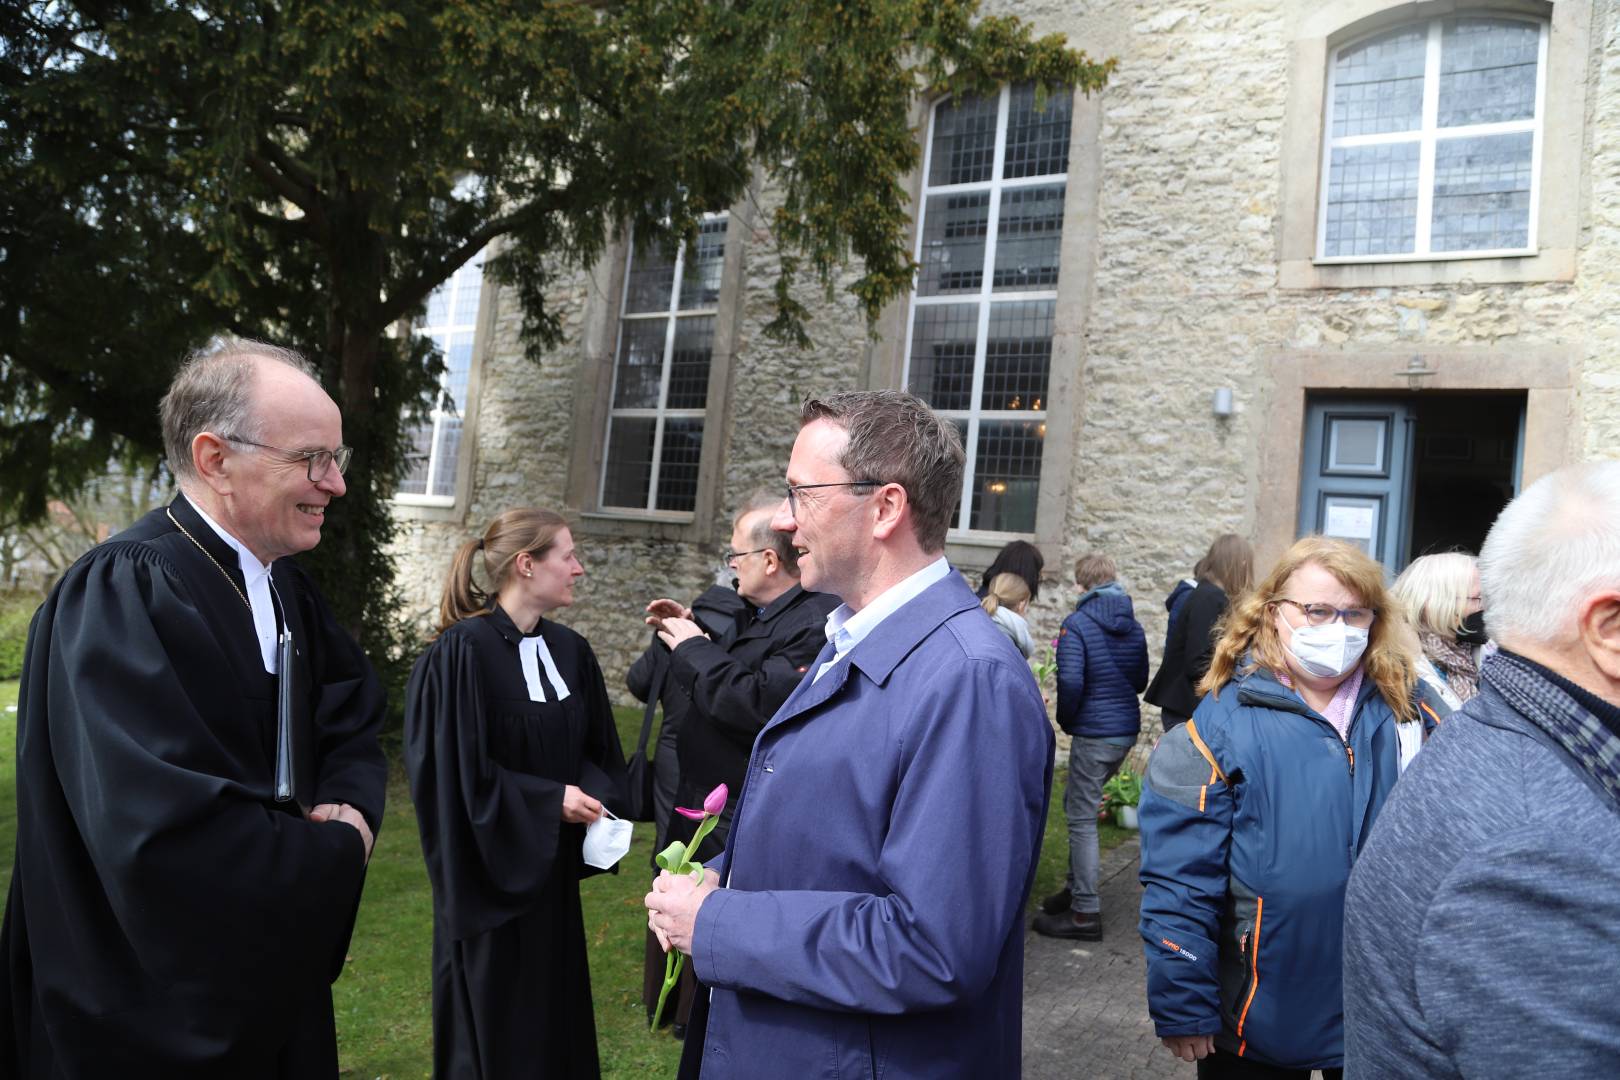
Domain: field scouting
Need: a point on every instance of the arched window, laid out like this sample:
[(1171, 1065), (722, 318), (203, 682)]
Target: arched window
[(1432, 141)]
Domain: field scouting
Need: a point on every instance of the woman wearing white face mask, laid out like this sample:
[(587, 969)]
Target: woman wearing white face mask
[(1253, 812)]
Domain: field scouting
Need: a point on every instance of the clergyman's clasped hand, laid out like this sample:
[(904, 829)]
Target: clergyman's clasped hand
[(348, 815)]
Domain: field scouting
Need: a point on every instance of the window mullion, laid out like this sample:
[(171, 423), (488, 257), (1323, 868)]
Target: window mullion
[(434, 457), (1003, 112), (1431, 120), (986, 287), (440, 413), (663, 378), (971, 438)]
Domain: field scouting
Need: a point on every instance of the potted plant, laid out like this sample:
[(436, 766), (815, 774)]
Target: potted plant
[(1122, 792), (1044, 668)]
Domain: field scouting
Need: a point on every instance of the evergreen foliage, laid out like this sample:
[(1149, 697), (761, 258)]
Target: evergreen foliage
[(307, 171)]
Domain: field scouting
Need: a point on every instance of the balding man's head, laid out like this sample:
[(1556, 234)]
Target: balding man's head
[(1551, 550), (214, 391)]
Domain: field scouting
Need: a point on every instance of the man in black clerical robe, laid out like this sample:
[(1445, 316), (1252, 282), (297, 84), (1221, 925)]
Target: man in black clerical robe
[(168, 916)]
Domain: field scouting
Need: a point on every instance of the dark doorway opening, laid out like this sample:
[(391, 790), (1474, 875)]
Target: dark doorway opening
[(1465, 467)]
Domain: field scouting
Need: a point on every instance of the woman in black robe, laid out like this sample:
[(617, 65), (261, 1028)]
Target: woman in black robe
[(512, 751)]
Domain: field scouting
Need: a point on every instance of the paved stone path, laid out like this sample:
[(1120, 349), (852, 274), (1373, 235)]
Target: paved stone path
[(1085, 1010)]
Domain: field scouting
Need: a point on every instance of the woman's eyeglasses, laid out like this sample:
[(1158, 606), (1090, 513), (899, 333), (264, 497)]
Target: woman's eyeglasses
[(1322, 614)]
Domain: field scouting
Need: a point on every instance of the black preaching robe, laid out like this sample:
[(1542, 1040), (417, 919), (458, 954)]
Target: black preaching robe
[(167, 918), (511, 986)]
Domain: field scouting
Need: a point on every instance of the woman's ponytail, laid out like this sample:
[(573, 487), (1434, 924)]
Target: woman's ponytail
[(462, 597)]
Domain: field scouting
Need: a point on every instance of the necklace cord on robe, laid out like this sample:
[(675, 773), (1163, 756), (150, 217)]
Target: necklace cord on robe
[(285, 764), (223, 572)]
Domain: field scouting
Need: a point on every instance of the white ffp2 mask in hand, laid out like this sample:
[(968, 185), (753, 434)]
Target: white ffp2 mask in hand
[(607, 840)]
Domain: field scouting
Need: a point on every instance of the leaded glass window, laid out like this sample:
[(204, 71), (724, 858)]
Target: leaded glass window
[(1433, 139), (979, 347), (661, 372), (435, 451)]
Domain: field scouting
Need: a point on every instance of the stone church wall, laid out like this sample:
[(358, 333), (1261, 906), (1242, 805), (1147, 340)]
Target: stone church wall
[(1184, 293)]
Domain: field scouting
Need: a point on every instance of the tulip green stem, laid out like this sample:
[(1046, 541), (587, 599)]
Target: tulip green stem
[(677, 854)]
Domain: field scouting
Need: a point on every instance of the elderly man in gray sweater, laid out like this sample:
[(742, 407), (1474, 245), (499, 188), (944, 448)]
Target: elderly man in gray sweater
[(1483, 917)]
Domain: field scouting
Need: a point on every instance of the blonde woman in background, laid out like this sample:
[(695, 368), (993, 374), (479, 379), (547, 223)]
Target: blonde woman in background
[(1005, 602), (1442, 599), (511, 752)]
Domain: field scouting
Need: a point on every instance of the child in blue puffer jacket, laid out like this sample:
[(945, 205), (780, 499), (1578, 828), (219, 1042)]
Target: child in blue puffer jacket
[(1102, 665)]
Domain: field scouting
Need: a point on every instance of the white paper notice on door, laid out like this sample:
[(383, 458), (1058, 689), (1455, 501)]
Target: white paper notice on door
[(1349, 522)]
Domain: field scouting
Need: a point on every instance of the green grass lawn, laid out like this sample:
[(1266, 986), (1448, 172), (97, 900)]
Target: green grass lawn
[(382, 1000)]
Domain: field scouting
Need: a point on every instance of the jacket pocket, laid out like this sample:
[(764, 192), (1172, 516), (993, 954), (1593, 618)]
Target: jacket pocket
[(873, 1051), (854, 1048), (1249, 950), (1241, 972)]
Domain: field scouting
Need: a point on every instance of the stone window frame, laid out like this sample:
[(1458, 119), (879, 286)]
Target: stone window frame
[(1545, 374), (1556, 214), (1429, 134), (670, 315), (409, 507), (593, 400), (1077, 256)]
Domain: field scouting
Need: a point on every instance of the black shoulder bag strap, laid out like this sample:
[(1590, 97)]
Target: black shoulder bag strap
[(654, 692), (638, 770)]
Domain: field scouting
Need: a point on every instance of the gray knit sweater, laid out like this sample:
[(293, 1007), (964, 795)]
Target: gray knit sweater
[(1482, 922)]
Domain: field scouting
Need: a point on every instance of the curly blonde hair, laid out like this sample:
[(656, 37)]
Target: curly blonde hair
[(1249, 639)]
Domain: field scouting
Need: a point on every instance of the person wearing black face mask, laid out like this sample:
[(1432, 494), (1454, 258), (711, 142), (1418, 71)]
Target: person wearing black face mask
[(1441, 594)]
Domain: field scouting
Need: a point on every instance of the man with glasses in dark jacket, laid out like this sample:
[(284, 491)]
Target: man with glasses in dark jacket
[(729, 684)]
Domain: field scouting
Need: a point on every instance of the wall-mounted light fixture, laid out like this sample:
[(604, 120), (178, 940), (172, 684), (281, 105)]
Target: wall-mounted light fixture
[(1221, 405)]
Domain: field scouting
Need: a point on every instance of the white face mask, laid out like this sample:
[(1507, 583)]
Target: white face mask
[(607, 840), (1328, 651)]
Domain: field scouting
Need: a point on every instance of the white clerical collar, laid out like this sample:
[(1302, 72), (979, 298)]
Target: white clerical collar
[(533, 655), (847, 628), (256, 576)]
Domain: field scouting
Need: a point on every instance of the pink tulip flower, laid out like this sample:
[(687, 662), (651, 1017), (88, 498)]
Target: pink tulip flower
[(677, 859), (716, 802), (712, 805)]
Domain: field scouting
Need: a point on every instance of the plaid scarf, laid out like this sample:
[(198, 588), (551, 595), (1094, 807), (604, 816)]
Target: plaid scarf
[(1454, 660), (1555, 711)]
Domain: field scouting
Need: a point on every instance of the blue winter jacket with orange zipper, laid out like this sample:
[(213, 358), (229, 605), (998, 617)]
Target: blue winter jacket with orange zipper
[(1252, 815)]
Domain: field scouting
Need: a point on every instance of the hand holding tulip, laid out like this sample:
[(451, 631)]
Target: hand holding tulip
[(680, 890), (673, 906)]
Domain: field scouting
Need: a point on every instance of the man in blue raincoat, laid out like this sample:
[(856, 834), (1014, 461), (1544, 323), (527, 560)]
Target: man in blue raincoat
[(885, 838)]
